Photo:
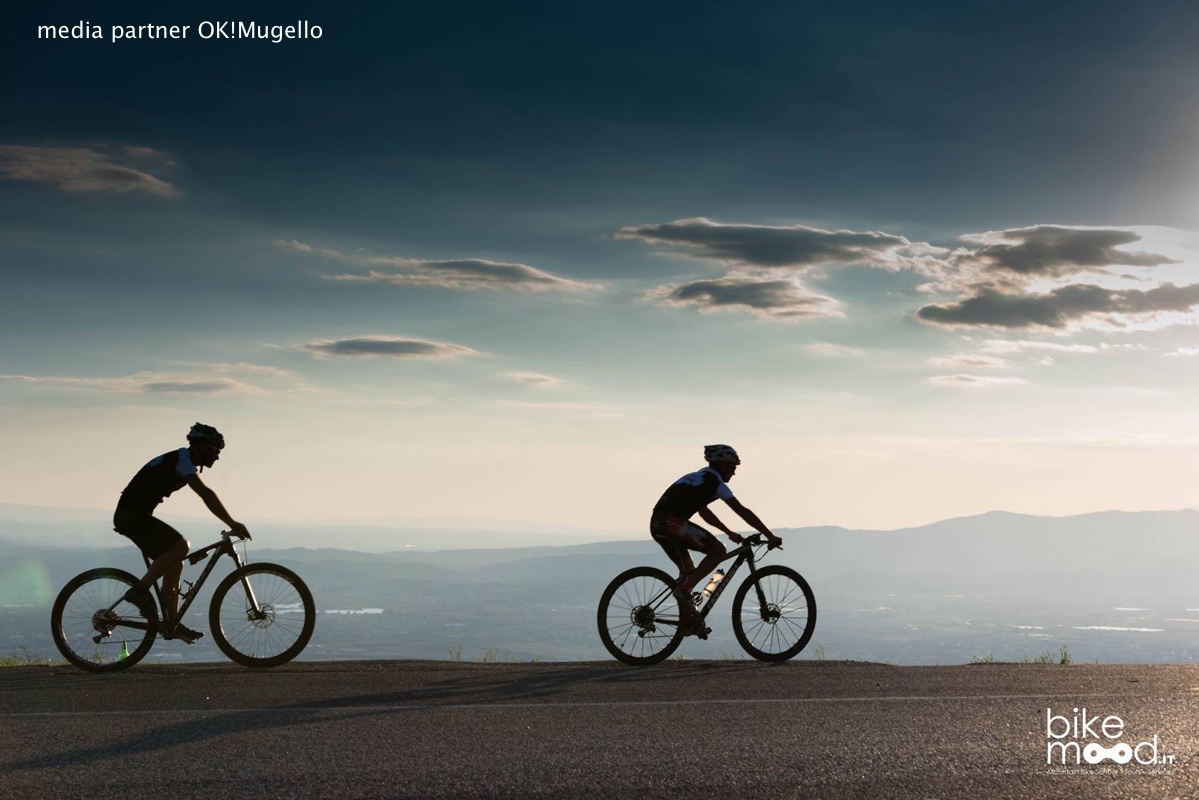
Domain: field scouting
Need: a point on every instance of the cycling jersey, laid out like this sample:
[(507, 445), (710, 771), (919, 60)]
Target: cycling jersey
[(692, 492), (156, 481)]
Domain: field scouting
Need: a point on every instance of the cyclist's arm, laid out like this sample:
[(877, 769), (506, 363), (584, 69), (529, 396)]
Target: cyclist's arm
[(752, 520), (214, 504), (707, 516)]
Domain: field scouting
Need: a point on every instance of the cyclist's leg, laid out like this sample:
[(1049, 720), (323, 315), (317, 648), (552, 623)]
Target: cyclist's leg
[(164, 546), (675, 550), (170, 579), (701, 540), (676, 536)]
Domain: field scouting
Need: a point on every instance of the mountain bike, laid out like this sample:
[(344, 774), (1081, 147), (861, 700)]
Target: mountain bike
[(774, 610), (261, 615)]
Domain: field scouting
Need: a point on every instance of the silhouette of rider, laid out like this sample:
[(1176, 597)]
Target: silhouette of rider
[(671, 526), (162, 544)]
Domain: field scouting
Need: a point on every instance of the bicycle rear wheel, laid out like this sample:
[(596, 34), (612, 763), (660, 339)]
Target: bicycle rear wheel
[(277, 631), (777, 624), (94, 628), (638, 616)]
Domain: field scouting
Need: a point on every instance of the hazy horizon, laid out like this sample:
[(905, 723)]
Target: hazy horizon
[(33, 512), (56, 528)]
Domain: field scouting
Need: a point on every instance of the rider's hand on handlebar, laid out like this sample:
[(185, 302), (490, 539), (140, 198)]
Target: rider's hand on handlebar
[(239, 530), (773, 541), (735, 537)]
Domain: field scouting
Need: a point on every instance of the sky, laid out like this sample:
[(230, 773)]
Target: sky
[(522, 261)]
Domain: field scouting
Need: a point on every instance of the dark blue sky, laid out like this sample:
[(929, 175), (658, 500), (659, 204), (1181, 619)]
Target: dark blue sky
[(926, 114)]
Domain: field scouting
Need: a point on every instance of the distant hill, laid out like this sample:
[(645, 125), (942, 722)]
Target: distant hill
[(997, 551), (1145, 552), (1113, 586)]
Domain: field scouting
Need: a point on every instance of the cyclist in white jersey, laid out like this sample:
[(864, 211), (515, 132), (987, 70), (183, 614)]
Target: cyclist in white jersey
[(162, 544), (671, 526)]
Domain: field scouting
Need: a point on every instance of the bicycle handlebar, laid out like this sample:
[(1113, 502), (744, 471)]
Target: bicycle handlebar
[(758, 539), (202, 553)]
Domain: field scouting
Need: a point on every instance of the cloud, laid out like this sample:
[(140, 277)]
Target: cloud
[(1183, 352), (534, 379), (1029, 278), (194, 378), (1026, 346), (253, 369), (973, 381), (189, 387), (771, 299), (968, 361), (144, 152), (80, 169), (472, 274), (794, 246), (304, 247), (387, 347), (1018, 279), (829, 350), (142, 383), (1013, 257), (1058, 309), (466, 273)]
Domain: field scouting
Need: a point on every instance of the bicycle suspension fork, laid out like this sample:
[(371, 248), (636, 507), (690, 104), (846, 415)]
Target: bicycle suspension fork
[(245, 582), (757, 586)]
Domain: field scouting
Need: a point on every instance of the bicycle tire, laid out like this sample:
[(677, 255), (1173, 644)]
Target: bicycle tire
[(75, 621), (273, 637), (784, 628), (629, 627)]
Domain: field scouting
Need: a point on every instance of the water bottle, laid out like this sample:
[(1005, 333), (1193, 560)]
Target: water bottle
[(717, 577)]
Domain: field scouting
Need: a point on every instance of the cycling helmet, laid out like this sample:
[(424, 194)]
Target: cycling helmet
[(714, 453), (206, 433)]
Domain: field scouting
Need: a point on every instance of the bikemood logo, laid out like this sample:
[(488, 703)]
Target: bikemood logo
[(1085, 738)]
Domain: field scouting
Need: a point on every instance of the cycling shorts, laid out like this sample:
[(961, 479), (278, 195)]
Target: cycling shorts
[(676, 536), (152, 536)]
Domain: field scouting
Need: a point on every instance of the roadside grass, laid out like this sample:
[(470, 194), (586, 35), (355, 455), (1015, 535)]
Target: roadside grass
[(1062, 658), (492, 655), (28, 658)]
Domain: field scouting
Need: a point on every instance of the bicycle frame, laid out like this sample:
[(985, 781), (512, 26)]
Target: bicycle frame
[(218, 549), (742, 553)]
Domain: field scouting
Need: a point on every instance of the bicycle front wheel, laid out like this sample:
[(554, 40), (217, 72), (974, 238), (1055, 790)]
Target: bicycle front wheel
[(94, 628), (638, 616), (774, 613), (262, 615)]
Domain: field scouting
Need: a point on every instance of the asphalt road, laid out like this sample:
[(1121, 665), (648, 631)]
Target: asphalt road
[(691, 729)]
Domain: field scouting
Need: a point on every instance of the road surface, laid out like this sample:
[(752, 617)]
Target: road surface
[(736, 729)]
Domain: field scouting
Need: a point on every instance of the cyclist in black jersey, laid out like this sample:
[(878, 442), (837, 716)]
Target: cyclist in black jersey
[(162, 544), (671, 527)]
